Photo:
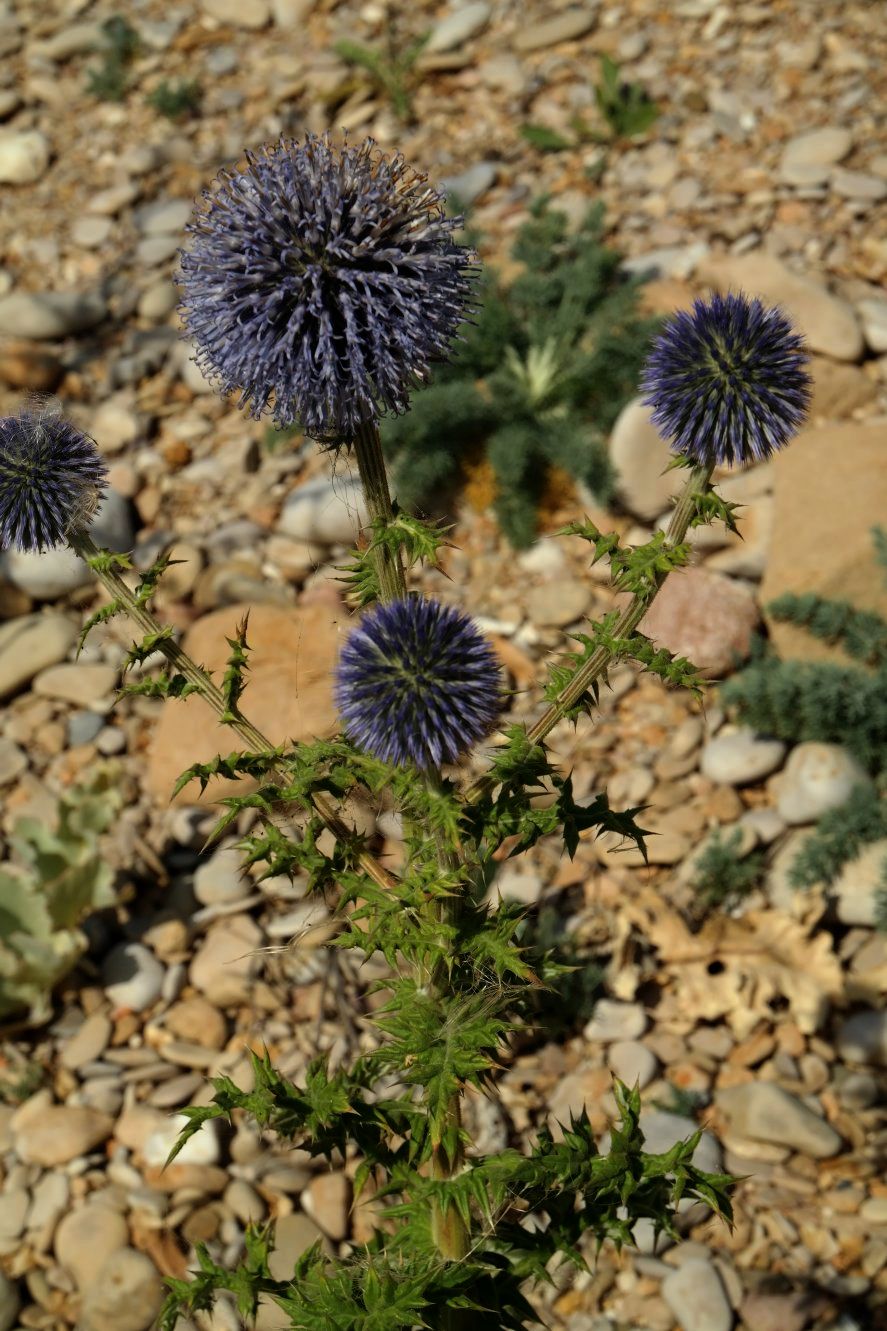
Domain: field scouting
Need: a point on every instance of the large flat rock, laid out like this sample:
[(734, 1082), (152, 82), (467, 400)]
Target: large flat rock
[(288, 692), (829, 491)]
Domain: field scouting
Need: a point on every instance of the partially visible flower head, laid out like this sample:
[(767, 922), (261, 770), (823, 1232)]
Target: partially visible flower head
[(323, 282), (417, 683), (727, 382), (52, 479)]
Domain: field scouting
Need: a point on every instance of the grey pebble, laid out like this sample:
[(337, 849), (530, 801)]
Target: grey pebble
[(47, 315), (469, 185), (457, 27)]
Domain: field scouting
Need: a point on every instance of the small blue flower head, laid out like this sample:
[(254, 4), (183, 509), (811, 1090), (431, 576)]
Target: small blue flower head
[(322, 282), (727, 382), (52, 479), (417, 683)]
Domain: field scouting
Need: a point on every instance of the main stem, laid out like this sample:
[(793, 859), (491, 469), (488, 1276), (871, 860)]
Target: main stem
[(373, 478), (447, 1225), (84, 546), (697, 483)]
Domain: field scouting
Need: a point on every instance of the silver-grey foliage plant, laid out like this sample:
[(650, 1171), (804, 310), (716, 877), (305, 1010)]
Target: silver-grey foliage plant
[(323, 282)]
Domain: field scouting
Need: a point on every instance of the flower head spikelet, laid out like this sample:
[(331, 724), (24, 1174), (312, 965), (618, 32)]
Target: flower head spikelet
[(322, 282), (52, 479), (417, 683), (727, 381)]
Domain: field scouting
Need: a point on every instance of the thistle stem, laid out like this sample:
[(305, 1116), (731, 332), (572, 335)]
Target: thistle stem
[(179, 659), (697, 483), (373, 478), (447, 1225)]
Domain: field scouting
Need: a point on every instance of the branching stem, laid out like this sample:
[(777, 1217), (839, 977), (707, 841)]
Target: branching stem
[(697, 483), (179, 659)]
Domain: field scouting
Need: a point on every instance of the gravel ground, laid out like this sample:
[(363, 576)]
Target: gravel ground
[(766, 169)]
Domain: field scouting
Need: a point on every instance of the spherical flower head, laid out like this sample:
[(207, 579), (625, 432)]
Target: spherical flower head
[(322, 282), (417, 683), (727, 382), (52, 479)]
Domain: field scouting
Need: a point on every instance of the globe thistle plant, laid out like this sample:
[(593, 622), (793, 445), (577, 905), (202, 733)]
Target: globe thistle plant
[(727, 382), (322, 283), (417, 683), (52, 479)]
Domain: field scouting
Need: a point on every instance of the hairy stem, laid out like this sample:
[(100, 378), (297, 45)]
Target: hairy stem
[(373, 478), (84, 546), (697, 483), (447, 1225)]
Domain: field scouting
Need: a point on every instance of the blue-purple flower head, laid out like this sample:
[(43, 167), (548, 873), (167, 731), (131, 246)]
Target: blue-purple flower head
[(417, 683), (322, 283), (52, 479), (727, 381)]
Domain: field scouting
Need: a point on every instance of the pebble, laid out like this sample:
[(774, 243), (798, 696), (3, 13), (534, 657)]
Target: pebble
[(828, 323), (88, 1044), (48, 315), (13, 761), (14, 1203), (612, 1021), (91, 232), (857, 888), (293, 1234), (24, 156), (504, 72), (632, 1062), (662, 1129), (164, 217), (201, 1149), (765, 823), (858, 1090), (458, 27), (86, 1238), (737, 757), (49, 1202), (557, 604), (111, 201), (127, 1294), (10, 1302), (177, 1091), (254, 15), (822, 147), (81, 683), (195, 1020), (696, 1296), (132, 977), (469, 185), (705, 617), (862, 1038), (331, 512), (565, 27), (51, 1135), (817, 778), (115, 423), (244, 1202), (327, 1200), (30, 644), (227, 961), (220, 879), (45, 576), (640, 457), (157, 301), (82, 728), (517, 884), (873, 313), (765, 1112), (53, 573), (857, 185)]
